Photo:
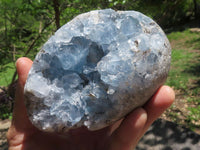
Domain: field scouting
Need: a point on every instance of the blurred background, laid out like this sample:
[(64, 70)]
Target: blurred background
[(25, 25)]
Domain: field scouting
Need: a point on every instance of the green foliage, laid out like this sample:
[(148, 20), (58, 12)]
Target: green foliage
[(5, 112), (25, 26), (6, 73)]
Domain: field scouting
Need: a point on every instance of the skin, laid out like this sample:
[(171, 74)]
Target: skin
[(123, 135)]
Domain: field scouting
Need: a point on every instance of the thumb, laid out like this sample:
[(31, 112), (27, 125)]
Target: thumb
[(23, 66), (20, 122), (20, 119)]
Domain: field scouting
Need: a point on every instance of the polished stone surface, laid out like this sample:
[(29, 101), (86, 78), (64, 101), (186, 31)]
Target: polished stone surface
[(96, 69)]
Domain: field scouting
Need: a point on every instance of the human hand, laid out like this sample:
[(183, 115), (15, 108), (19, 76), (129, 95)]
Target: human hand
[(123, 135)]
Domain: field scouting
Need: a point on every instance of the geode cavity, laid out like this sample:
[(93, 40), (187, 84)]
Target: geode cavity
[(95, 70)]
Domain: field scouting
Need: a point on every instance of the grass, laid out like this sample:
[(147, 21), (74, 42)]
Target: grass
[(185, 59), (178, 78), (184, 77)]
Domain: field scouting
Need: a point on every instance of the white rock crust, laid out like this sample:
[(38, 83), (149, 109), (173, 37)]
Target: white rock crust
[(96, 69)]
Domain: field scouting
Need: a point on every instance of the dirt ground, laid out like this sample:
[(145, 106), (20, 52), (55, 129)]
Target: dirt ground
[(4, 125)]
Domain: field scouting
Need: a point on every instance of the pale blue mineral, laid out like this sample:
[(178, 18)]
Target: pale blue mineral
[(96, 69)]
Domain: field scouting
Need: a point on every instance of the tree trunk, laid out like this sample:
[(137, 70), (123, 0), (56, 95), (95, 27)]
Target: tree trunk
[(56, 6), (195, 9)]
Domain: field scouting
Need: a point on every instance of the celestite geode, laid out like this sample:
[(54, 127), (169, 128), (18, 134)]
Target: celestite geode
[(96, 69)]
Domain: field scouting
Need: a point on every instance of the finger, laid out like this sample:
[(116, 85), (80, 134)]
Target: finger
[(20, 120), (115, 126), (127, 134), (158, 104)]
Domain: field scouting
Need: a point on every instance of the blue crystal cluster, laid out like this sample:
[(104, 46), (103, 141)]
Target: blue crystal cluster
[(96, 69)]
